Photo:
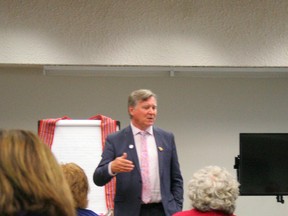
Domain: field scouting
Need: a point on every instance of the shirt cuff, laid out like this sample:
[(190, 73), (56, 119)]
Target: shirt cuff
[(110, 171)]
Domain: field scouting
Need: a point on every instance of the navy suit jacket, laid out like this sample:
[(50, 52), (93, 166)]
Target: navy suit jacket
[(127, 200)]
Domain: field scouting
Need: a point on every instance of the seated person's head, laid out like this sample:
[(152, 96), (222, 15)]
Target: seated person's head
[(78, 183), (213, 188), (31, 180)]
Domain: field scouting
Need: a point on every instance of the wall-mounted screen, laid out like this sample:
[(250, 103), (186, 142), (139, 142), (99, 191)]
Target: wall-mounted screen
[(263, 164)]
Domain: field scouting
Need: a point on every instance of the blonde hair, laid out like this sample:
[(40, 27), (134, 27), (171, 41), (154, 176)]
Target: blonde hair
[(213, 188), (31, 180), (78, 183)]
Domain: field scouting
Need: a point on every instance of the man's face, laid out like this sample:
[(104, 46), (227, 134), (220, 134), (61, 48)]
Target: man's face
[(144, 113)]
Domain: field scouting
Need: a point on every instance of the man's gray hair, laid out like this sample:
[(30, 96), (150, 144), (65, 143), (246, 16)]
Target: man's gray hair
[(139, 95)]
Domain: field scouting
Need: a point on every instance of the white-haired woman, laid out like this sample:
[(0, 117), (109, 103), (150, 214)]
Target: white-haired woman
[(213, 192)]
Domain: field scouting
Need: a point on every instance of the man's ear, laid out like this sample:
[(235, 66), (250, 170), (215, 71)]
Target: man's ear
[(130, 110)]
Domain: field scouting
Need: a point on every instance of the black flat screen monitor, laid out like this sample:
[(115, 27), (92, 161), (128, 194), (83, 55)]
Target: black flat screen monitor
[(263, 164)]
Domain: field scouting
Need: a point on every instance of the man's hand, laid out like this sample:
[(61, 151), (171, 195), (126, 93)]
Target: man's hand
[(121, 164)]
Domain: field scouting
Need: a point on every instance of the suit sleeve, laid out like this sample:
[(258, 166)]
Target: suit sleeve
[(101, 175)]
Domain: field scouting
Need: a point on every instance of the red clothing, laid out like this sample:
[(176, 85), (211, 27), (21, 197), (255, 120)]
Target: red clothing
[(194, 212)]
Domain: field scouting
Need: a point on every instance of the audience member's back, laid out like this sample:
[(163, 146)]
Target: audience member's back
[(79, 186), (31, 180)]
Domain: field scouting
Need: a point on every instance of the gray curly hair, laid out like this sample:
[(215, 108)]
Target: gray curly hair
[(213, 188)]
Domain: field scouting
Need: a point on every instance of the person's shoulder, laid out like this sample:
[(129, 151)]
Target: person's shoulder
[(86, 212), (185, 213), (119, 132)]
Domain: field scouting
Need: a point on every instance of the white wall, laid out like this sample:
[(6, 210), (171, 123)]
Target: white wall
[(205, 114), (136, 32)]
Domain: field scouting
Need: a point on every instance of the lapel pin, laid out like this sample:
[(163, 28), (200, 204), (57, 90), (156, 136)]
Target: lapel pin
[(160, 148), (131, 146)]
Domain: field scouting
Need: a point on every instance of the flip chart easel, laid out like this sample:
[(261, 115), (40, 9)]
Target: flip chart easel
[(79, 141)]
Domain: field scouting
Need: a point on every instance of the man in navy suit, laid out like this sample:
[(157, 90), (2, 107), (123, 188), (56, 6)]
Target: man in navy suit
[(122, 158)]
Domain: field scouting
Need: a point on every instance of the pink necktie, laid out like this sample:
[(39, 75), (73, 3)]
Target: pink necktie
[(145, 169)]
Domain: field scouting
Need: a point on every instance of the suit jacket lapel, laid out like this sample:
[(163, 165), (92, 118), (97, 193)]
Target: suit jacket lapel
[(132, 148), (160, 150)]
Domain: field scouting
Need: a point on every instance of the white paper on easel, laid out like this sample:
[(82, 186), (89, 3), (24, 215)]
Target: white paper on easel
[(79, 141)]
